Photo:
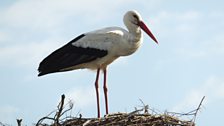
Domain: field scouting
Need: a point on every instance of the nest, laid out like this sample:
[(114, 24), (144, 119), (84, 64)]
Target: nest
[(139, 117), (125, 119)]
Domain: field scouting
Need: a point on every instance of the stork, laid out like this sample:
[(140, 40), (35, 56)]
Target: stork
[(97, 49)]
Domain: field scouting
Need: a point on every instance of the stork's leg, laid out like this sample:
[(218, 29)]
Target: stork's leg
[(97, 92), (105, 89)]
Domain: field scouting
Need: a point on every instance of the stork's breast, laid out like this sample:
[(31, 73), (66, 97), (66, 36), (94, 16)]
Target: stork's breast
[(127, 49)]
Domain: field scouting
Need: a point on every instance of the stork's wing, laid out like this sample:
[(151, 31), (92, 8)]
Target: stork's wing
[(69, 55)]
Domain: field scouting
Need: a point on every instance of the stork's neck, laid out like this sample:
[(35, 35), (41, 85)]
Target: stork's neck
[(135, 34)]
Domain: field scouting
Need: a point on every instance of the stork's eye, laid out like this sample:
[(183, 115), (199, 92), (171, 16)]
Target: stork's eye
[(135, 16)]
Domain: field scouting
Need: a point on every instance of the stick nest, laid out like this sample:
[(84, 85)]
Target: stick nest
[(139, 117), (125, 119)]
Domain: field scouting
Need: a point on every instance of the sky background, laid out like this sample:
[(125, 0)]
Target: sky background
[(187, 64)]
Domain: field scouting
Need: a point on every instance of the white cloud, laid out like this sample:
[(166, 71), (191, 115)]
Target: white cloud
[(191, 34), (82, 96), (43, 17), (210, 48), (50, 13), (176, 22), (3, 37), (7, 112), (212, 89), (216, 45), (27, 54)]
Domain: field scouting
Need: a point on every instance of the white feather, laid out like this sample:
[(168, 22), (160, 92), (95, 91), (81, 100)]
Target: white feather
[(115, 40)]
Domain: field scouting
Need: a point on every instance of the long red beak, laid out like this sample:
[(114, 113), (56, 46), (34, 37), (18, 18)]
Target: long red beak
[(145, 28)]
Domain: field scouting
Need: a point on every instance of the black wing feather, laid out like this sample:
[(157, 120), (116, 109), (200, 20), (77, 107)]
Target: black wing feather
[(68, 56)]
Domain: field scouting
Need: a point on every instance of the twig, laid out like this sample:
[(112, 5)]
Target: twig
[(199, 106), (58, 114), (60, 108), (146, 107), (19, 122), (40, 120), (70, 108), (2, 124)]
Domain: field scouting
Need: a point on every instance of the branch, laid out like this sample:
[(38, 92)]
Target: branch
[(19, 122), (58, 114), (60, 108), (199, 106)]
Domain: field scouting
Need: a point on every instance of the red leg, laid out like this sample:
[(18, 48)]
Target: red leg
[(97, 92), (105, 89)]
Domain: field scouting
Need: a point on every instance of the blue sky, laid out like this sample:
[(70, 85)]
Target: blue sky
[(174, 75)]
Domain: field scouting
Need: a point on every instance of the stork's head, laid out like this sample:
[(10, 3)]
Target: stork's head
[(133, 22)]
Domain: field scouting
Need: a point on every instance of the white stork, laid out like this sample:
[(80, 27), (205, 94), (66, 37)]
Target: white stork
[(97, 49)]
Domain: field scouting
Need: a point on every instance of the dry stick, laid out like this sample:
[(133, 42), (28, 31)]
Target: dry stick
[(58, 114), (65, 112), (39, 121), (199, 106), (70, 108), (146, 107), (193, 112), (60, 108), (46, 117), (19, 122)]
